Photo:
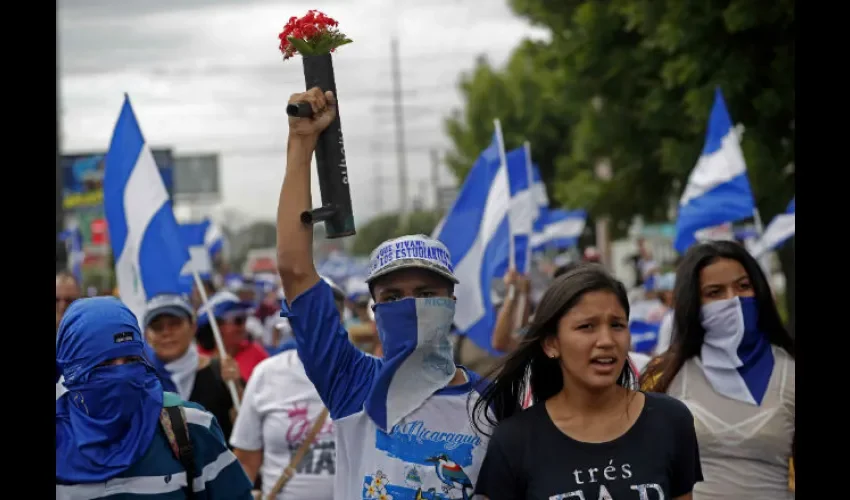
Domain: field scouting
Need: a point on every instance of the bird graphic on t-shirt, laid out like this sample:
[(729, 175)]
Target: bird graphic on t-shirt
[(451, 473)]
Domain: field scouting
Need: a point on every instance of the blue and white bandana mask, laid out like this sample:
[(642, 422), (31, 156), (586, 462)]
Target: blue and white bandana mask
[(418, 356), (736, 357)]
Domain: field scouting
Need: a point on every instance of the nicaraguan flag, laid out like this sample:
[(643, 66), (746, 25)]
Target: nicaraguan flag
[(145, 238), (477, 234), (538, 192), (718, 190), (780, 229), (560, 229), (644, 323), (523, 208), (204, 240), (522, 211)]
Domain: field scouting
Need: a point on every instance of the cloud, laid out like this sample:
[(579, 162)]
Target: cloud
[(206, 76)]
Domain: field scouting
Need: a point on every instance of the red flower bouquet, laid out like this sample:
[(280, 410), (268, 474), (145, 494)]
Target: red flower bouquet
[(312, 35)]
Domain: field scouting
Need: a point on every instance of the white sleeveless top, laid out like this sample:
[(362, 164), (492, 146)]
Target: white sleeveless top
[(744, 449)]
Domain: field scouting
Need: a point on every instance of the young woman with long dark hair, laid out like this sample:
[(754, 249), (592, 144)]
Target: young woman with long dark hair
[(732, 362), (589, 434)]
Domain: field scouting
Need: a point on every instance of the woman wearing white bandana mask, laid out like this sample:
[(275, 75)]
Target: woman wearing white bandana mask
[(401, 422), (732, 362), (169, 324)]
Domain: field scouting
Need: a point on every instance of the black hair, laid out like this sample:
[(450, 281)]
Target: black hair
[(528, 364), (204, 337), (569, 266)]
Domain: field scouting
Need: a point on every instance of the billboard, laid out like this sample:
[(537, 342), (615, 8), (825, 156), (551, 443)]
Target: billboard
[(82, 179), (196, 178)]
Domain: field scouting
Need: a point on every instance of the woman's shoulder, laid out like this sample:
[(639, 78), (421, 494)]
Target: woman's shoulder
[(668, 408), (281, 364), (284, 369), (516, 429)]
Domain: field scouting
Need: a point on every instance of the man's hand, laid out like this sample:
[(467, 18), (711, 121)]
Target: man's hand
[(512, 277), (324, 112), (229, 369)]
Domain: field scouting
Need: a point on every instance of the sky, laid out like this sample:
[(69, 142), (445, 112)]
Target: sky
[(206, 76)]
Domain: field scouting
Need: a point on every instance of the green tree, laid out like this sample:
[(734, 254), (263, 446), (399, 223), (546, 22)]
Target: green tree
[(386, 226), (632, 81)]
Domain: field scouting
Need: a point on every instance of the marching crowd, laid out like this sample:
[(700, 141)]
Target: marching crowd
[(368, 392)]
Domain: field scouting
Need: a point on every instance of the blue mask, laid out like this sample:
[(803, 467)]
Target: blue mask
[(736, 356), (107, 419), (112, 418), (418, 356)]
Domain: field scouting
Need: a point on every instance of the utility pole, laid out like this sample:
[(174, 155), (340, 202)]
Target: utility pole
[(401, 153)]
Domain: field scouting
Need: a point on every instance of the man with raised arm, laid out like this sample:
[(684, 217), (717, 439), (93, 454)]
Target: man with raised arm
[(402, 421)]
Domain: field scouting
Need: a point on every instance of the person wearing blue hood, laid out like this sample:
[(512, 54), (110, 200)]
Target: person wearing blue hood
[(402, 421), (118, 434)]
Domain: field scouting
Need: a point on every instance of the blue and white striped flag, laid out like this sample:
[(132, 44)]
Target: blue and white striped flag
[(477, 234), (559, 229), (644, 324), (780, 229), (523, 209), (718, 190), (204, 240), (538, 191), (146, 240)]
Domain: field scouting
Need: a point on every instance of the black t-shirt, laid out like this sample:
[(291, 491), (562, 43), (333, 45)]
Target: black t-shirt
[(656, 459), (211, 392)]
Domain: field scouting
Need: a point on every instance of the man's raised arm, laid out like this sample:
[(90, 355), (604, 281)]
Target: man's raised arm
[(341, 373), (294, 239)]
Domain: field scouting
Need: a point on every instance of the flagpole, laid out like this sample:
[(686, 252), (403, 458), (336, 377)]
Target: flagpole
[(519, 315), (231, 386), (759, 226), (504, 164), (536, 208)]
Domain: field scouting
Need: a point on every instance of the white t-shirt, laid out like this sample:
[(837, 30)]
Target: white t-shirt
[(432, 453), (394, 464), (279, 407)]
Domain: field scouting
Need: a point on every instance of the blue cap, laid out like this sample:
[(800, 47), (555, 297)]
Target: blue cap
[(172, 304), (221, 304), (411, 252)]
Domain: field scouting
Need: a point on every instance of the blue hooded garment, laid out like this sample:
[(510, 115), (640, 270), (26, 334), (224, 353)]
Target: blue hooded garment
[(107, 419)]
